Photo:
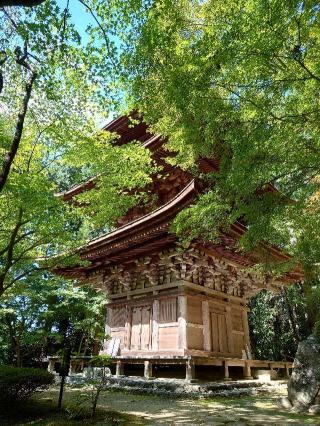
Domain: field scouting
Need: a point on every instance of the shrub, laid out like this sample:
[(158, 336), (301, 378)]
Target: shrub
[(100, 360), (20, 383)]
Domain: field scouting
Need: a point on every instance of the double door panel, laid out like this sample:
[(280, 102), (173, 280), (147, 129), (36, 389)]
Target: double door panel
[(219, 333), (141, 328)]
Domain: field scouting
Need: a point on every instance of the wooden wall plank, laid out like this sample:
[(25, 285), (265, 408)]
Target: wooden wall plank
[(194, 310), (195, 338), (168, 338), (222, 331), (214, 332), (135, 329), (230, 329)]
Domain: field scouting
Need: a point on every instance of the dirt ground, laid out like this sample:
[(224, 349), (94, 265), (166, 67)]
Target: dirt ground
[(155, 410)]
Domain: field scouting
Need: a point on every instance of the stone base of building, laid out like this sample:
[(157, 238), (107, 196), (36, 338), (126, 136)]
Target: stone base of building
[(180, 388)]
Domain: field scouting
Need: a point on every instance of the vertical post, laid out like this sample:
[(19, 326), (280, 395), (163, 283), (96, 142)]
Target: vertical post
[(207, 346), (182, 321), (247, 371), (155, 324), (226, 370), (147, 370), (272, 372), (246, 328), (190, 370), (128, 324), (119, 369), (107, 329), (287, 371)]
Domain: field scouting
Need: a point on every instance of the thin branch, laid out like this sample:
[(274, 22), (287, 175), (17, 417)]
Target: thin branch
[(105, 36), (3, 251), (64, 22), (303, 65)]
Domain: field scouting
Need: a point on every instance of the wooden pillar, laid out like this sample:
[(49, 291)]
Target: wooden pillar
[(107, 329), (207, 346), (226, 370), (247, 371), (190, 370), (229, 329), (287, 371), (128, 324), (246, 328), (119, 369), (182, 321), (155, 324), (147, 370)]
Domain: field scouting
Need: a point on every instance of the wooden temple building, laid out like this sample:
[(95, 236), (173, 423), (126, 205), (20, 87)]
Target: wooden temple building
[(167, 305)]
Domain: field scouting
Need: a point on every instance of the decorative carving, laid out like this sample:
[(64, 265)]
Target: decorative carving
[(193, 266)]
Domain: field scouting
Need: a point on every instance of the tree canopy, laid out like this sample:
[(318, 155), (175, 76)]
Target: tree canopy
[(234, 81), (55, 90), (33, 317), (239, 82)]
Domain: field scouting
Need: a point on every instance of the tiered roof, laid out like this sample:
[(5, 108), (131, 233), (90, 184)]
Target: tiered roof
[(145, 231)]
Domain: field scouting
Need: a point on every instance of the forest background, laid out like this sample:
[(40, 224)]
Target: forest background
[(238, 81)]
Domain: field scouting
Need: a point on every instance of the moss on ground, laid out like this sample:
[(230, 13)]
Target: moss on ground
[(116, 408), (257, 409)]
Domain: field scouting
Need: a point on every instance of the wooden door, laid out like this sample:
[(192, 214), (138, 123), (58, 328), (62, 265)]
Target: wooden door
[(145, 339), (140, 329), (219, 332)]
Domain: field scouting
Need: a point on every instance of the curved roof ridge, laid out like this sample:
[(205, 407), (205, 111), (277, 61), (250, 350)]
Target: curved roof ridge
[(180, 197)]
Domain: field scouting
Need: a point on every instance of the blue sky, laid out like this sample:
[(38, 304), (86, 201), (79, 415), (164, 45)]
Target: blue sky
[(79, 16), (81, 19)]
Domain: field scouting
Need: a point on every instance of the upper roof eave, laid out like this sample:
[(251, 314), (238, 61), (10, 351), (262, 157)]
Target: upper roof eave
[(160, 215)]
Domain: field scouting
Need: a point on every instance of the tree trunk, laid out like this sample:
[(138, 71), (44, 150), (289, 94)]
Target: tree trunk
[(95, 401), (292, 319), (66, 356), (18, 353), (64, 372), (10, 155), (63, 379)]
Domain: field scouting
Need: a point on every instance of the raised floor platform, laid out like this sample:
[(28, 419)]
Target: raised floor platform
[(191, 362)]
